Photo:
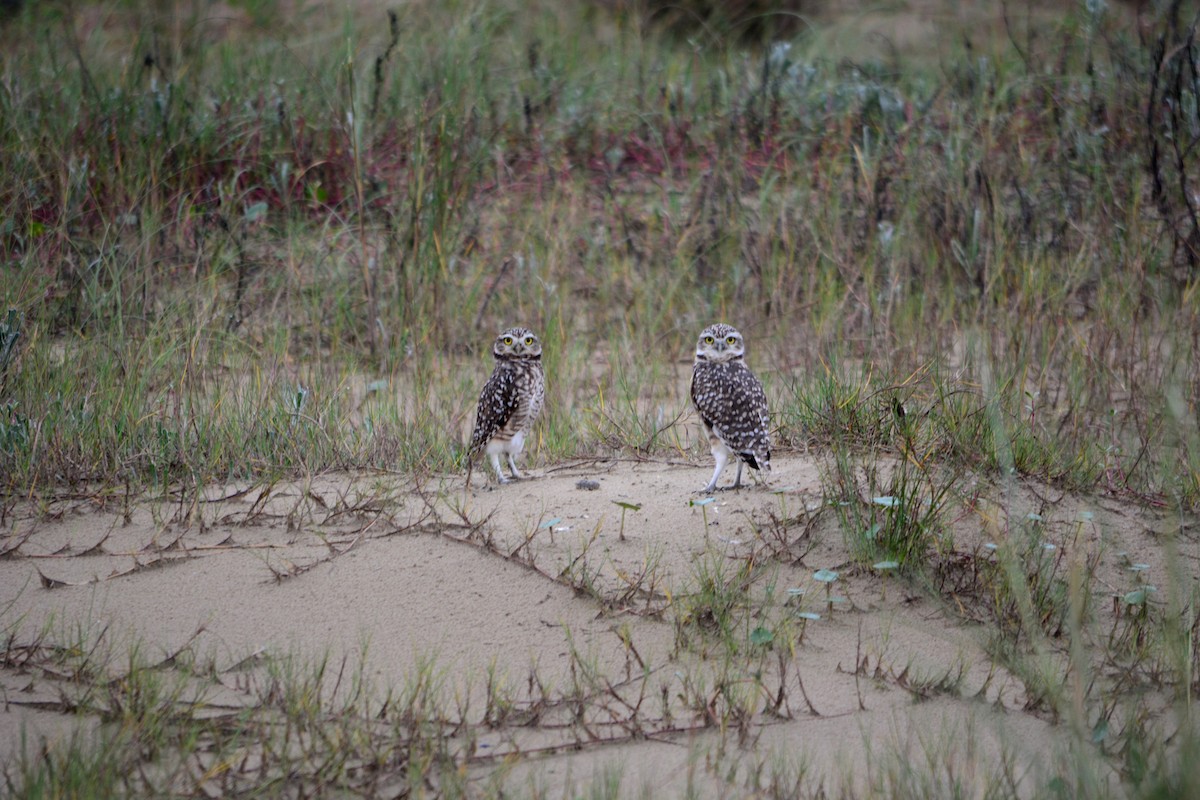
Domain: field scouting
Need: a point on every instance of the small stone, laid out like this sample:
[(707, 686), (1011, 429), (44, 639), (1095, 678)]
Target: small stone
[(587, 485)]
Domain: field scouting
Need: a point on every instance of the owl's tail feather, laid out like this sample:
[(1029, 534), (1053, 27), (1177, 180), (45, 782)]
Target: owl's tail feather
[(756, 460)]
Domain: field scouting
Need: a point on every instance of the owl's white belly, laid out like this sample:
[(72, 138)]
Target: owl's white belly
[(500, 446)]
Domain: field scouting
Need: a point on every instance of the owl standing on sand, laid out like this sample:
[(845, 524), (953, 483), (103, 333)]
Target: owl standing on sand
[(511, 399), (731, 403)]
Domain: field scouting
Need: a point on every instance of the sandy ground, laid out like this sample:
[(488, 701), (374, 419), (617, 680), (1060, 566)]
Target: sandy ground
[(482, 580)]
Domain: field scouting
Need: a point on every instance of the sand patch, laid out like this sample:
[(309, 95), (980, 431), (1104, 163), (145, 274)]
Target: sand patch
[(603, 637)]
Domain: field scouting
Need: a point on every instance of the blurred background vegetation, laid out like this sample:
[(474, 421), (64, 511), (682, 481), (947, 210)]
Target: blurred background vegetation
[(245, 238)]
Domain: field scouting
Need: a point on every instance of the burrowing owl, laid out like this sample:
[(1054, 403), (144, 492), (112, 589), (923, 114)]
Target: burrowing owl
[(731, 402), (511, 399)]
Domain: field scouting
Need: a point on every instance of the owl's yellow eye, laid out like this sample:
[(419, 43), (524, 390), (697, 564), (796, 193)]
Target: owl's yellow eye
[(708, 340), (508, 340), (528, 340), (730, 339)]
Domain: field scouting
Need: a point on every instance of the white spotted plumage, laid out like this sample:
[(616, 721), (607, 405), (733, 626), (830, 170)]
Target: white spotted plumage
[(511, 399), (731, 403)]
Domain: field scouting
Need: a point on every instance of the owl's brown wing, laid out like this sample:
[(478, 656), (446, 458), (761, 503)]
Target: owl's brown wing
[(706, 392), (732, 402), (497, 403)]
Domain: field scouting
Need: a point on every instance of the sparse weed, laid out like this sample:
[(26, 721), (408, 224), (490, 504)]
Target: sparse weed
[(716, 608), (896, 515)]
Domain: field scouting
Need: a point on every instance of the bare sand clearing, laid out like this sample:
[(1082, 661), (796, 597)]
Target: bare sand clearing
[(532, 578)]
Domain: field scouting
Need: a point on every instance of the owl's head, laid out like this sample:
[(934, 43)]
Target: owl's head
[(720, 343), (517, 343)]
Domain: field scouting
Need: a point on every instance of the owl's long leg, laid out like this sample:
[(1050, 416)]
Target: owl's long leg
[(512, 465), (737, 482), (496, 467), (721, 454)]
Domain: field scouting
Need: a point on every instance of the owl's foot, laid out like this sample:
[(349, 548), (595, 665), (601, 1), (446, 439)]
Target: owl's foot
[(495, 458), (737, 482)]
